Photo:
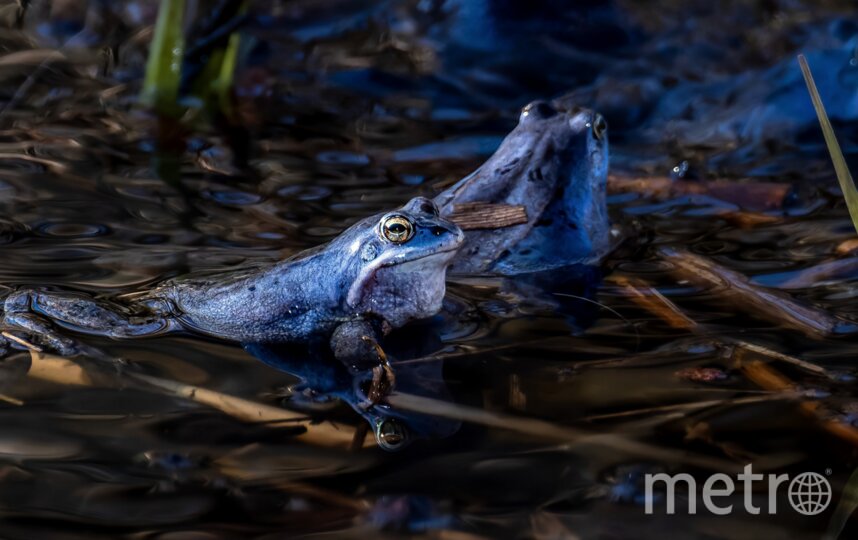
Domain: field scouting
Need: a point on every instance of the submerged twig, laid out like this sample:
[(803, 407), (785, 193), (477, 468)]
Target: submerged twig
[(30, 81), (767, 377), (469, 353), (11, 400), (548, 430), (653, 301), (765, 351), (656, 303), (820, 273), (21, 341), (695, 405), (64, 371), (744, 295), (756, 195), (251, 466)]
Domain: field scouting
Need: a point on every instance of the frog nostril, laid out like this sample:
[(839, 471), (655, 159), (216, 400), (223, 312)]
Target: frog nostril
[(544, 110), (538, 110), (429, 207), (437, 230)]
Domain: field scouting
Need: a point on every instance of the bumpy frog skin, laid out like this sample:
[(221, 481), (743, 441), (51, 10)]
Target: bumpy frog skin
[(555, 164), (386, 270)]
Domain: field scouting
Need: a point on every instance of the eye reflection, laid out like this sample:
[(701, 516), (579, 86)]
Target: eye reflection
[(397, 229)]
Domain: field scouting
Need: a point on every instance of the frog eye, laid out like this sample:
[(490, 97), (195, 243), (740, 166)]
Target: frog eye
[(599, 127), (397, 229)]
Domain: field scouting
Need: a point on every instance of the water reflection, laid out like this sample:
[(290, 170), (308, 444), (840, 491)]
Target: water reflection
[(323, 378)]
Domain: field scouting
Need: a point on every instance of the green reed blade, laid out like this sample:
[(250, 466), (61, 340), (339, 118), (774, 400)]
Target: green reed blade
[(164, 65), (840, 167), (226, 77)]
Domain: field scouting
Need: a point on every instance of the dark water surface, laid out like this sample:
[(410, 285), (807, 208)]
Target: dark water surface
[(354, 107)]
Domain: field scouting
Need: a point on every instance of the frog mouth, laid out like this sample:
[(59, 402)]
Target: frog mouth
[(394, 262)]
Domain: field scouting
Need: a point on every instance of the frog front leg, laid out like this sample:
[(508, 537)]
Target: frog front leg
[(355, 344), (40, 314)]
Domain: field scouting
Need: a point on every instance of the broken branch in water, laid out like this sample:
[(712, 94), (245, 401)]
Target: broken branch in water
[(743, 295), (767, 377), (653, 301), (749, 196)]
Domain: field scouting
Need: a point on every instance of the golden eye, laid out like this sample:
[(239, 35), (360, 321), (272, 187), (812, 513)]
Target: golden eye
[(599, 127), (397, 229)]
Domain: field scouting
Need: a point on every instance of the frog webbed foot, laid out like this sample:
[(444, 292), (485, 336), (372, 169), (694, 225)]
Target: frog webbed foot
[(26, 328), (382, 382), (355, 344)]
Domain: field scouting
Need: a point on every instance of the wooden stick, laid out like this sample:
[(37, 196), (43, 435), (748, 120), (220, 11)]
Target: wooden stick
[(768, 378), (764, 351), (483, 215), (763, 303), (20, 341)]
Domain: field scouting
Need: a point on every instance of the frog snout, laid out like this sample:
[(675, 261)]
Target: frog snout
[(449, 230), (537, 110), (581, 119)]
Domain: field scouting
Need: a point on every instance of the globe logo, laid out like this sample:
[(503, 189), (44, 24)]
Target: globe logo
[(809, 493)]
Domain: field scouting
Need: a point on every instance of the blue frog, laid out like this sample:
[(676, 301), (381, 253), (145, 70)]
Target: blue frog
[(379, 274)]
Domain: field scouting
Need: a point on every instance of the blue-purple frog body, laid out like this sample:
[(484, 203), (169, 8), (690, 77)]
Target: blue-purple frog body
[(379, 274)]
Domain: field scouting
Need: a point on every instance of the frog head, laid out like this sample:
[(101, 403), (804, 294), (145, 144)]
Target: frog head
[(397, 262), (554, 164)]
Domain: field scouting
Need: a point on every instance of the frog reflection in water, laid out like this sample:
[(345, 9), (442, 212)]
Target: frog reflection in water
[(555, 165), (379, 274)]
